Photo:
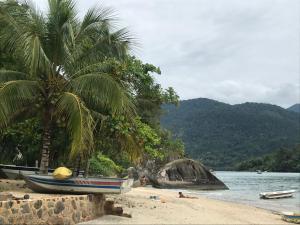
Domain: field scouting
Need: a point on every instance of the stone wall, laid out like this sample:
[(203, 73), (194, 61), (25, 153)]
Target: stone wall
[(52, 210)]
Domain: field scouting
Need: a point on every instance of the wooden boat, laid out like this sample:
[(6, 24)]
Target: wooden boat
[(277, 194), (291, 217), (15, 172), (78, 185)]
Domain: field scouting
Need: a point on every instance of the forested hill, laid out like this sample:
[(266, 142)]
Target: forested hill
[(222, 135), (294, 108)]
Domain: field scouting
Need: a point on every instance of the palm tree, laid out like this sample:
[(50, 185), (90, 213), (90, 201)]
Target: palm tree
[(64, 79)]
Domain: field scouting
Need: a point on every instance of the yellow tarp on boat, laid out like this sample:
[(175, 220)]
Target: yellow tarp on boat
[(62, 173)]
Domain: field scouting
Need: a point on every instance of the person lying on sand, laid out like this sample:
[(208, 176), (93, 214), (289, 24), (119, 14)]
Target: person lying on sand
[(185, 196)]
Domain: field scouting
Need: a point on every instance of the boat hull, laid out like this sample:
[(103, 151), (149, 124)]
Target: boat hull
[(47, 184), (277, 195), (292, 217), (17, 172)]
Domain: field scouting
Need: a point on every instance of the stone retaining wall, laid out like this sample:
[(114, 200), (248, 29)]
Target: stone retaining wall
[(52, 210)]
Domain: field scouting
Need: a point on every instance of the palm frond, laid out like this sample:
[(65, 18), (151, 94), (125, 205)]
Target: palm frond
[(9, 75), (24, 30), (99, 67), (15, 95), (123, 41), (99, 44), (101, 91), (94, 19), (60, 25), (79, 123), (130, 145)]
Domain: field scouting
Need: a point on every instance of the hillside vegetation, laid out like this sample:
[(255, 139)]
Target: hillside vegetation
[(283, 160), (222, 135)]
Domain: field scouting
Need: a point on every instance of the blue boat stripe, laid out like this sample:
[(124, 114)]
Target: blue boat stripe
[(67, 181), (54, 181), (74, 185)]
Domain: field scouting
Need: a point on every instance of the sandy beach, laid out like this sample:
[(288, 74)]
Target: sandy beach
[(172, 210)]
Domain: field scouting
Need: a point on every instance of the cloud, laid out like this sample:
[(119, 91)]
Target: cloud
[(233, 50), (235, 92)]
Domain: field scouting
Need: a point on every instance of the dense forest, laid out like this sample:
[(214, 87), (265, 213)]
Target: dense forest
[(282, 160), (72, 93), (222, 135)]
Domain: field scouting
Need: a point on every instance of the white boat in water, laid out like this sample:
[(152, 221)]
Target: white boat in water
[(277, 194), (78, 185), (15, 172)]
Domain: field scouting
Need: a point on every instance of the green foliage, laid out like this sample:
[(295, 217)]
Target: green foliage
[(144, 142), (221, 135), (103, 165), (25, 136), (149, 139), (173, 148), (125, 139), (77, 79), (282, 160), (148, 95), (134, 139), (59, 79)]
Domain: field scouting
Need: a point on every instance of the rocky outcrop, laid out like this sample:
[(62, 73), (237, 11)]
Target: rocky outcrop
[(187, 173)]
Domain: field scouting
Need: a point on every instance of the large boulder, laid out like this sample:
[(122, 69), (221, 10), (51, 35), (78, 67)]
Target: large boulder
[(187, 173)]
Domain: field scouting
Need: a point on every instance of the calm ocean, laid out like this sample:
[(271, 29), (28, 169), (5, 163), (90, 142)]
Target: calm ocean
[(246, 186)]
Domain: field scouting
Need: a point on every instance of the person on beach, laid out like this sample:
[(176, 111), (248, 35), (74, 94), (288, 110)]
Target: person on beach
[(185, 196)]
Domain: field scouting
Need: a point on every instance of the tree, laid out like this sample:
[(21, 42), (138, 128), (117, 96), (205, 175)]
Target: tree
[(63, 79), (142, 136)]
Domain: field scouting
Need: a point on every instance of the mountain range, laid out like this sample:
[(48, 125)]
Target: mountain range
[(222, 135)]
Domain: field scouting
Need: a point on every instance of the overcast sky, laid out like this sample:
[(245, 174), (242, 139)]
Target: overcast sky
[(233, 51)]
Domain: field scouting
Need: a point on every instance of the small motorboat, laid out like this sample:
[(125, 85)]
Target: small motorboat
[(291, 217), (78, 185), (277, 194), (258, 172), (16, 172)]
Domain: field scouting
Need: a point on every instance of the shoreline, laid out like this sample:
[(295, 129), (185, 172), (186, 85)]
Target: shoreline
[(274, 211), (170, 209)]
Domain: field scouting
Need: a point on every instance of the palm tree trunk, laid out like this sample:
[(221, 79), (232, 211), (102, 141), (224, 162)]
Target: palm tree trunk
[(77, 167), (87, 167), (45, 143)]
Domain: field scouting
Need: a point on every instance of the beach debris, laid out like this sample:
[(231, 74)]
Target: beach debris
[(26, 196), (109, 204), (163, 200), (154, 197), (111, 208), (127, 215), (117, 210), (5, 196)]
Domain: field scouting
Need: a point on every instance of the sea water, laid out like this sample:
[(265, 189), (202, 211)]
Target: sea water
[(244, 187)]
